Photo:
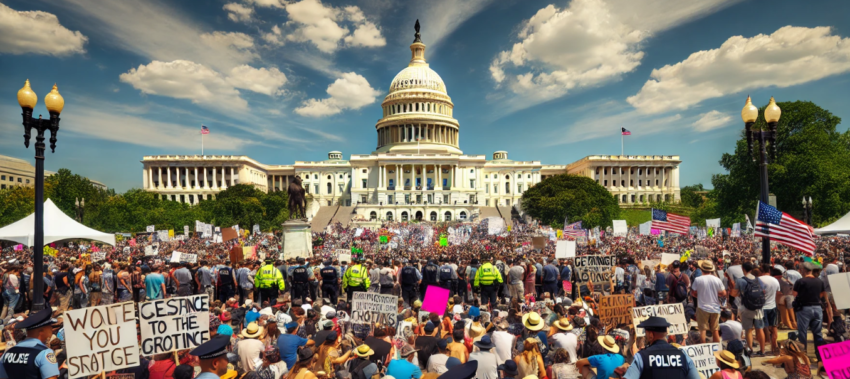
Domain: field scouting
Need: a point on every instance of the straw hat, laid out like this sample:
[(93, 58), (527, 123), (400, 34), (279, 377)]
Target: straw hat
[(532, 321), (363, 351), (252, 331), (564, 324), (609, 344), (706, 266), (727, 357), (476, 330)]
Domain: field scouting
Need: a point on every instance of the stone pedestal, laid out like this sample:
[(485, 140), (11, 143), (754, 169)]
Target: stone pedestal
[(297, 239)]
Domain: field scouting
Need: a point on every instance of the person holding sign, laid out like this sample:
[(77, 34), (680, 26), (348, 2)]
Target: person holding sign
[(31, 358), (660, 359), (213, 357)]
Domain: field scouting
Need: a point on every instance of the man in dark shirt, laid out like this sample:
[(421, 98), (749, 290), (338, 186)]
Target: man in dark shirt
[(382, 348), (427, 344), (807, 305)]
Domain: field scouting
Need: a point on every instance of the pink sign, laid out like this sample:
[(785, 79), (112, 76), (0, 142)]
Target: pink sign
[(436, 300), (835, 359), (95, 249), (19, 247), (655, 232), (132, 242)]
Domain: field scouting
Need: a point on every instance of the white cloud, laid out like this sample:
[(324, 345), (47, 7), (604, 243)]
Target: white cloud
[(327, 28), (274, 37), (239, 46), (238, 13), (789, 56), (367, 35), (260, 80), (587, 43), (37, 32), (350, 91), (711, 120), (440, 18), (267, 3)]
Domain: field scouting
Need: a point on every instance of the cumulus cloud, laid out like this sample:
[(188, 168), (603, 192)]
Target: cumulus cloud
[(37, 32), (238, 45), (790, 56), (267, 3), (238, 13), (274, 37), (260, 80), (327, 27), (186, 80), (711, 120), (350, 91)]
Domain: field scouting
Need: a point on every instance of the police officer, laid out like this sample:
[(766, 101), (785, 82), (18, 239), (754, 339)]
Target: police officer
[(429, 278), (660, 359), (409, 278), (489, 279), (213, 357), (447, 276), (31, 358), (269, 280), (226, 282), (330, 282), (355, 279), (300, 281)]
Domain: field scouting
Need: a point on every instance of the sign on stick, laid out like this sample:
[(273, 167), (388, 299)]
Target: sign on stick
[(673, 313), (368, 308), (703, 357), (616, 309), (565, 249), (174, 324), (596, 268), (104, 339)]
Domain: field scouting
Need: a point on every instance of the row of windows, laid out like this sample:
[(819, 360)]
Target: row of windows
[(631, 183), (418, 216), (507, 177), (507, 188), (12, 179), (642, 198), (623, 172), (417, 107)]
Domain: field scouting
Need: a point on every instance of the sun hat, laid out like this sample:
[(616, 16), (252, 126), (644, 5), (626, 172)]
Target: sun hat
[(706, 266), (363, 351), (407, 350), (509, 367), (532, 321), (727, 357), (608, 343), (476, 330), (252, 331), (485, 343), (564, 324), (417, 303)]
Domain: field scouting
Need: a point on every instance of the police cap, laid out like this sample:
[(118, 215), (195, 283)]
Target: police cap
[(655, 324), (214, 348), (37, 320)]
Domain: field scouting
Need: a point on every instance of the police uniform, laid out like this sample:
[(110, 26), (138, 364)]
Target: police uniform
[(429, 278), (300, 281), (489, 279), (269, 281), (226, 282), (330, 282), (408, 277), (356, 279), (31, 358), (215, 348), (660, 359)]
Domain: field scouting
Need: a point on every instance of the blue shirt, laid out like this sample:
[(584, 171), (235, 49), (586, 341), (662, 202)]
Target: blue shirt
[(45, 360), (550, 273), (153, 285), (401, 368), (252, 316), (288, 345), (606, 363)]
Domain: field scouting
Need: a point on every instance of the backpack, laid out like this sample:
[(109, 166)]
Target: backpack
[(680, 288), (752, 296), (445, 274)]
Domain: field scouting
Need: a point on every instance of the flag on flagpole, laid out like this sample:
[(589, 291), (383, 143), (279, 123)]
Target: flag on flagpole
[(670, 222), (626, 132), (574, 230), (780, 227), (749, 224), (205, 130)]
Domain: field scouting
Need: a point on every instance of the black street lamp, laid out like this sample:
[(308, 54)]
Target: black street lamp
[(807, 210), (80, 205), (54, 102), (771, 115)]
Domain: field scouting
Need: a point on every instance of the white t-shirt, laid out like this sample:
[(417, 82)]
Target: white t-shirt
[(503, 341), (707, 286), (771, 287), (566, 341)]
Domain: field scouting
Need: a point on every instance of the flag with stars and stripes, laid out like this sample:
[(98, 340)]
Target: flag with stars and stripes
[(574, 230), (205, 130), (673, 223), (780, 227)]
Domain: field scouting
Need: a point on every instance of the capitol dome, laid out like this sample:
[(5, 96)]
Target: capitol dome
[(418, 77)]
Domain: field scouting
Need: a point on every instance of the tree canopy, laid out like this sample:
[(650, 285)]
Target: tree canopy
[(576, 197)]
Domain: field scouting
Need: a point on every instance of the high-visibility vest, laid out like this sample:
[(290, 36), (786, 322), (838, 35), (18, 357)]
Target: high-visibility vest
[(486, 275), (269, 276)]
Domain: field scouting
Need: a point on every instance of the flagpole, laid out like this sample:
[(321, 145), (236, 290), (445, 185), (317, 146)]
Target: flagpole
[(202, 143), (622, 144)]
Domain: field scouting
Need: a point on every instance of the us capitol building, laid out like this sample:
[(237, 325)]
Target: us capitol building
[(417, 172)]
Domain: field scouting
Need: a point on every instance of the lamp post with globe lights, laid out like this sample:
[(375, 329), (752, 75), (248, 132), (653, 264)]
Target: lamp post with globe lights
[(807, 210), (763, 137), (27, 99)]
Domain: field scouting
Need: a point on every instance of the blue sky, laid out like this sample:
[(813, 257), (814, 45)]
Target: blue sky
[(282, 80)]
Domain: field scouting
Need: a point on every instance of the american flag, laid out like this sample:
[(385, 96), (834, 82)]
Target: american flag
[(574, 230), (205, 130), (780, 227), (626, 132), (662, 220)]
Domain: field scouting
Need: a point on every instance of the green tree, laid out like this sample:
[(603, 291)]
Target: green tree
[(690, 197), (812, 159), (16, 203), (576, 197)]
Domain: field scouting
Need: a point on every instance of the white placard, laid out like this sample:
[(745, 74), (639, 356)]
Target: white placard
[(177, 257), (620, 228), (840, 284), (368, 308), (646, 228), (344, 258), (173, 324), (565, 249), (712, 223), (186, 230), (98, 256), (703, 357), (669, 258), (152, 249), (150, 228), (104, 339), (673, 313)]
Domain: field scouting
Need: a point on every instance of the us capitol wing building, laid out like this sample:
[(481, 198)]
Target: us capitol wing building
[(417, 172)]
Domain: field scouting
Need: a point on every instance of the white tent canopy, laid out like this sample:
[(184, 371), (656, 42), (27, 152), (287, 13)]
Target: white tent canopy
[(841, 226), (57, 227)]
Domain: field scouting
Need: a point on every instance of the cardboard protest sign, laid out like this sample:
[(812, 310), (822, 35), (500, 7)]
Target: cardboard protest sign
[(538, 242), (177, 257), (152, 249), (174, 324), (565, 249), (703, 357), (99, 256), (368, 308), (236, 254), (835, 359), (620, 228), (228, 234), (150, 228), (436, 299), (596, 268), (840, 283), (616, 309), (104, 339), (669, 258), (673, 313)]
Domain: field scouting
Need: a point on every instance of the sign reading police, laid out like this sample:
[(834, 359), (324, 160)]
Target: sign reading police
[(104, 339), (368, 308), (595, 268), (174, 324)]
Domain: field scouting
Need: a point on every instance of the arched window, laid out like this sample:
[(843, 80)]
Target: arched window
[(447, 216), (624, 198), (508, 177), (329, 188), (373, 216), (433, 216), (315, 177), (389, 216), (403, 216), (462, 216)]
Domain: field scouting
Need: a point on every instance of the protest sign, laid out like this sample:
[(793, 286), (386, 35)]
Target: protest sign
[(177, 257), (703, 357), (150, 228), (565, 249), (344, 258), (340, 252), (669, 258), (596, 268), (645, 228), (712, 223), (368, 308), (616, 309), (104, 339), (236, 254), (436, 299), (174, 324), (152, 249), (673, 313), (620, 228), (840, 283), (186, 230), (228, 234), (835, 359), (98, 256), (538, 242)]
